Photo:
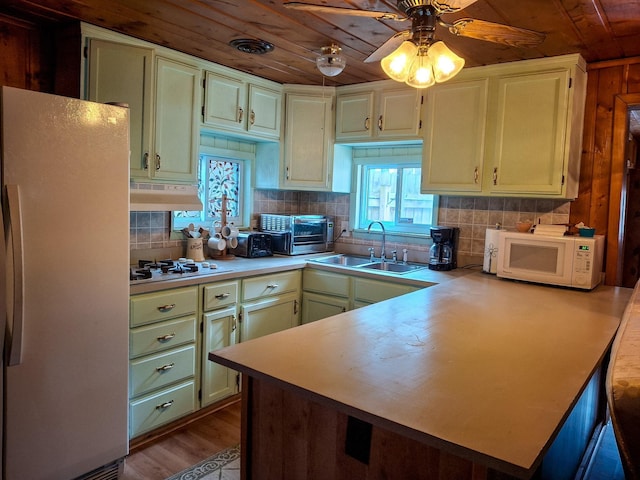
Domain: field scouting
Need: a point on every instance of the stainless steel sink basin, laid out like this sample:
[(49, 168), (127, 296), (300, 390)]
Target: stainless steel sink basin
[(346, 260), (393, 267)]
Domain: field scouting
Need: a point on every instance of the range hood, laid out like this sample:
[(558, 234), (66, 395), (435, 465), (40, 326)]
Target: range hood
[(152, 197)]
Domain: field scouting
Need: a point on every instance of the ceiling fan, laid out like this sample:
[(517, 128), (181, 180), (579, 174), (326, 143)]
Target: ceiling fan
[(424, 16)]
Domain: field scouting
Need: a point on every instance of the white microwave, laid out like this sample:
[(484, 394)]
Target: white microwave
[(567, 261)]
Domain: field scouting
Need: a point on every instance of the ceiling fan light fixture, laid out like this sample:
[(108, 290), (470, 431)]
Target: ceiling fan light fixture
[(446, 64), (331, 62), (421, 72), (397, 64)]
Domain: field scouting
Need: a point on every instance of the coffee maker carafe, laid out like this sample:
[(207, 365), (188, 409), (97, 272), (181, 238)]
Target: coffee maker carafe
[(442, 255)]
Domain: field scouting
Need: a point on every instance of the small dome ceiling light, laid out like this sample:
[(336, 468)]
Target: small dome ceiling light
[(252, 46), (331, 62)]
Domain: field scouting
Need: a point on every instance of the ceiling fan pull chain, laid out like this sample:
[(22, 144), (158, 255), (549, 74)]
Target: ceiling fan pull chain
[(380, 123)]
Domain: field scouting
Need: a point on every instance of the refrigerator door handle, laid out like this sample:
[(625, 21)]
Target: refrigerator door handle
[(15, 232)]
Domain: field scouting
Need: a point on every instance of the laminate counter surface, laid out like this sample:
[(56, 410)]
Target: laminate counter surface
[(482, 367)]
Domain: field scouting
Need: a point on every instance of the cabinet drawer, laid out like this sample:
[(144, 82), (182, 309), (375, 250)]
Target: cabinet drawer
[(163, 407), (157, 371), (153, 307), (326, 282), (161, 336), (267, 285), (373, 291), (219, 295)]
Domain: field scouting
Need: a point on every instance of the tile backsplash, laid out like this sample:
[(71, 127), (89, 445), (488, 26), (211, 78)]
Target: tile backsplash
[(473, 215)]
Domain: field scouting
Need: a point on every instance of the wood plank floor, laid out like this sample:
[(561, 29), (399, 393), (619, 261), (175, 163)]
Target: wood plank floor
[(186, 446), (221, 429)]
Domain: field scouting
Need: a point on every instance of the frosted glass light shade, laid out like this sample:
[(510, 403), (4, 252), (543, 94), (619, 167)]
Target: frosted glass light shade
[(397, 64), (446, 64), (421, 71), (331, 62)]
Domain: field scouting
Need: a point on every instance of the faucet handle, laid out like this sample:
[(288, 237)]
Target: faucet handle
[(371, 257), (394, 254)]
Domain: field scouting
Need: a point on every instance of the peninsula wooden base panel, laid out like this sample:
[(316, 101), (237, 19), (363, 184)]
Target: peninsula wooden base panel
[(286, 436)]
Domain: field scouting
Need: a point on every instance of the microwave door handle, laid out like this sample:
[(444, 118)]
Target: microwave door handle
[(15, 231)]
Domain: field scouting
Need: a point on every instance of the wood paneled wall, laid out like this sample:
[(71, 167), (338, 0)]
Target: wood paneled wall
[(610, 87)]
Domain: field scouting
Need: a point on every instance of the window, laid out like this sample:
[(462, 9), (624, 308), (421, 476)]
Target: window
[(218, 176), (389, 192)]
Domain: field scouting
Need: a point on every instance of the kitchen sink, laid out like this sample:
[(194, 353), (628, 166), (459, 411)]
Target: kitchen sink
[(346, 260), (393, 267)]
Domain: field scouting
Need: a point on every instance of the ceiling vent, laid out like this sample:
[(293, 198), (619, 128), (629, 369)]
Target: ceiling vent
[(252, 46)]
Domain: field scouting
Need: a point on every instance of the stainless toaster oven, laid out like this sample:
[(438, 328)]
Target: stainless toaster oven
[(298, 234)]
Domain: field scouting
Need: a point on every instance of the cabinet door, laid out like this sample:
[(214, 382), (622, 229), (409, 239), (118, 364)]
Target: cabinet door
[(316, 306), (220, 329), (399, 113), (176, 132), (123, 73), (354, 116), (308, 140), (528, 143), (372, 291), (225, 102), (455, 129), (265, 107), (269, 316)]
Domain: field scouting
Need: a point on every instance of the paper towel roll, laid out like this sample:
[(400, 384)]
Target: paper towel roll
[(490, 264)]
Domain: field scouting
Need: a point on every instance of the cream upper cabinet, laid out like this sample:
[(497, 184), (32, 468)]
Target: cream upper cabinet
[(455, 129), (122, 73), (308, 141), (176, 135), (162, 95), (234, 104), (377, 110), (512, 129)]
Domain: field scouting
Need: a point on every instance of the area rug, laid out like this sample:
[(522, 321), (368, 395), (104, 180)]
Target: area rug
[(222, 465)]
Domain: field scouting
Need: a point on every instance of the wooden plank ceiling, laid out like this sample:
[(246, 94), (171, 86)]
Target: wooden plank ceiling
[(598, 29)]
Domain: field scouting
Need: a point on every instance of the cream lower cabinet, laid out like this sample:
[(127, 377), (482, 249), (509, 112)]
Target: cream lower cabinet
[(328, 293), (219, 330), (162, 365), (270, 303)]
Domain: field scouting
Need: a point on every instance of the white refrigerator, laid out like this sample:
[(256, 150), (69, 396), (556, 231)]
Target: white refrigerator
[(65, 205)]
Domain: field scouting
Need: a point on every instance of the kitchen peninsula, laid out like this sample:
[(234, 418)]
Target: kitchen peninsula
[(470, 379)]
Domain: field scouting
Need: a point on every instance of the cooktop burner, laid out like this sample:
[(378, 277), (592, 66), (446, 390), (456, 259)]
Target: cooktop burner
[(157, 271)]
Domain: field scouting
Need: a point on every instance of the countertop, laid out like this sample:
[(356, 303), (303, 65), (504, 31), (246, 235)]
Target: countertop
[(483, 367), (245, 267)]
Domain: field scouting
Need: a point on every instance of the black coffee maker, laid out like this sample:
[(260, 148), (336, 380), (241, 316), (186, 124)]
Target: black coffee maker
[(442, 255)]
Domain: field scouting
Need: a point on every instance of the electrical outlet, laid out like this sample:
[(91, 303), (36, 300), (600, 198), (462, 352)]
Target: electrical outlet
[(344, 225)]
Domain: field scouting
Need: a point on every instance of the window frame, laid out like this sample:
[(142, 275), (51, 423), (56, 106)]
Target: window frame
[(386, 158)]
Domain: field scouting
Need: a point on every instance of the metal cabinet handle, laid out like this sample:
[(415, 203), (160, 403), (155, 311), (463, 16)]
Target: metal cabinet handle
[(273, 285), (167, 337), (146, 160), (234, 323), (167, 308), (495, 175), (287, 173), (220, 296), (166, 367), (295, 307), (157, 161), (380, 123), (475, 175), (367, 122), (164, 405), (252, 117), (240, 114)]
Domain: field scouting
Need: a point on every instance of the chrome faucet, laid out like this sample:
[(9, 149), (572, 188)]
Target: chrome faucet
[(384, 233)]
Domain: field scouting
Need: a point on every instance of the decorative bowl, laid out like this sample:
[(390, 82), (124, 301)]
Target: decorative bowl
[(523, 227), (586, 232)]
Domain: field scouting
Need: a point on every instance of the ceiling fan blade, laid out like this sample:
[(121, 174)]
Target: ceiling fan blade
[(344, 11), (496, 32), (389, 46)]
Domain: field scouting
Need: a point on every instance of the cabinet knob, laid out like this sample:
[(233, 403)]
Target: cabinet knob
[(252, 117), (166, 367), (167, 308), (167, 337), (164, 405)]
